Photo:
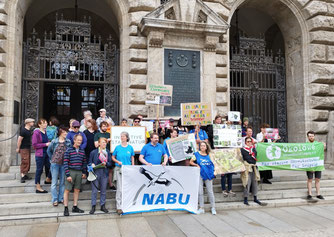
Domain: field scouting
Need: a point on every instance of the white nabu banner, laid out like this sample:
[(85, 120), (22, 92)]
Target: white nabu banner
[(156, 188)]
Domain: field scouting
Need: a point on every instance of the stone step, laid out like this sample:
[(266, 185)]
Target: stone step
[(57, 215), (7, 176), (219, 197)]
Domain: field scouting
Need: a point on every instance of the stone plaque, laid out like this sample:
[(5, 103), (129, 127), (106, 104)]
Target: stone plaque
[(182, 71)]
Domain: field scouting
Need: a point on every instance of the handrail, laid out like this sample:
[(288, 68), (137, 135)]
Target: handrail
[(3, 140)]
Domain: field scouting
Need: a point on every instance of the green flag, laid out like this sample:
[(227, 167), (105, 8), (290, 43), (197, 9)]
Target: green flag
[(290, 156)]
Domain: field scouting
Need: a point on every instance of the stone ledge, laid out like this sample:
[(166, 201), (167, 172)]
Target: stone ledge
[(221, 60), (138, 55), (138, 68), (221, 72), (137, 81), (133, 30), (222, 110), (315, 8), (222, 84), (319, 127), (3, 32), (319, 89), (221, 99), (321, 73), (137, 96), (137, 42), (317, 102), (134, 110), (321, 22), (142, 5), (319, 115), (322, 37)]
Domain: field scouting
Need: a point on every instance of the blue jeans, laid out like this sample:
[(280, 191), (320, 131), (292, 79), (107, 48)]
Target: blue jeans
[(229, 181), (57, 171), (40, 163)]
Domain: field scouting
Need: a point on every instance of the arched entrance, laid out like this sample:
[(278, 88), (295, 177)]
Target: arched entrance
[(70, 66), (270, 37)]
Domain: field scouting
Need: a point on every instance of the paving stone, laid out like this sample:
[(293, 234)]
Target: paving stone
[(190, 226), (73, 229), (243, 223), (15, 231), (139, 225), (216, 225), (49, 230), (297, 221), (271, 222), (321, 211), (98, 228), (163, 226)]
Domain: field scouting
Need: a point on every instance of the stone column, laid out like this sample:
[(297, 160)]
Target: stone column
[(155, 64)]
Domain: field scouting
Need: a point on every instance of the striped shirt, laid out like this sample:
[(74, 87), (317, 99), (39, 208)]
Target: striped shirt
[(75, 160)]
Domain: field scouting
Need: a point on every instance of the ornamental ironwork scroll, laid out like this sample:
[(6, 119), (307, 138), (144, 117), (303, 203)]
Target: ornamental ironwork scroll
[(70, 55), (257, 85)]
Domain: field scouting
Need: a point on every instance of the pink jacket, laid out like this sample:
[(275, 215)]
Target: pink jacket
[(37, 143)]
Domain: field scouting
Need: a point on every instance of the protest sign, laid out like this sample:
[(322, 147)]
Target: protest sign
[(227, 161), (271, 133), (196, 113), (233, 116), (290, 156), (137, 137), (181, 148), (158, 188), (148, 125), (159, 94), (226, 135)]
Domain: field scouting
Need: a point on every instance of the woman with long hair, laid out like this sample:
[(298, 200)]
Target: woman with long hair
[(40, 142), (202, 160), (56, 152)]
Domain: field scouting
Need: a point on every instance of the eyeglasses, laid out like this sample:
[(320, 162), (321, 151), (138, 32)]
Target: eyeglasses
[(76, 127), (136, 121), (101, 111), (248, 141)]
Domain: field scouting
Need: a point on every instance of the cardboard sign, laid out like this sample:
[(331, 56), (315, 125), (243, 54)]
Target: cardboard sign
[(148, 125), (227, 161), (234, 116), (196, 113), (181, 148), (159, 94), (136, 134), (272, 133), (226, 135)]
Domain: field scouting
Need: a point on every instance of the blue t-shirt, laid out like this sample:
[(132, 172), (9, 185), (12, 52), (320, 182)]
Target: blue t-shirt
[(165, 146), (202, 134), (123, 154), (206, 165), (152, 154)]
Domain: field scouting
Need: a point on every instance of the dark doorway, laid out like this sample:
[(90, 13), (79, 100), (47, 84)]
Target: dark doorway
[(70, 100)]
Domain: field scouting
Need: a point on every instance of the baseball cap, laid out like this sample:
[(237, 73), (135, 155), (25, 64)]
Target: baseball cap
[(102, 110), (29, 120), (75, 124)]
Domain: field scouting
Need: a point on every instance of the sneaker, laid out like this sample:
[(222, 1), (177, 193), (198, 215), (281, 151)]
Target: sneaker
[(66, 213), (309, 197), (213, 211), (320, 197), (113, 188), (225, 193), (200, 211), (77, 210), (26, 177), (23, 180), (231, 193)]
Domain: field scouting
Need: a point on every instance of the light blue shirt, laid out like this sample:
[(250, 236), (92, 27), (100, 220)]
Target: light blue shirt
[(152, 154), (123, 154), (202, 134)]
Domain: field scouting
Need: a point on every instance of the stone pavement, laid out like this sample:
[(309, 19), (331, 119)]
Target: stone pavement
[(285, 221)]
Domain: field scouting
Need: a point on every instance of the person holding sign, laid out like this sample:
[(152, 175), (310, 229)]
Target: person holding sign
[(218, 120), (200, 135), (249, 134), (99, 160), (152, 152), (203, 161), (123, 155), (251, 176), (310, 174)]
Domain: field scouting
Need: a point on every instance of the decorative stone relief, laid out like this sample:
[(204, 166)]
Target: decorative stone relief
[(202, 17), (155, 39), (170, 14)]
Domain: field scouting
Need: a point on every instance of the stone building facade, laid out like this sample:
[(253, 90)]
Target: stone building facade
[(146, 27)]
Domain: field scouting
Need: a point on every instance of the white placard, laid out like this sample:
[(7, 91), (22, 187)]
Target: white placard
[(182, 148), (234, 116), (148, 125), (136, 133), (157, 188), (225, 135)]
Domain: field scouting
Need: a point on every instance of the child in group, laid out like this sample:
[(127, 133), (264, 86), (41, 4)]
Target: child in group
[(203, 161)]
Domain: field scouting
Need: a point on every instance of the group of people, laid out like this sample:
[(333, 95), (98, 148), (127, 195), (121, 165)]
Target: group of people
[(68, 154)]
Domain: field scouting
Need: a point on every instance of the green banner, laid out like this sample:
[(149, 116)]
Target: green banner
[(290, 156)]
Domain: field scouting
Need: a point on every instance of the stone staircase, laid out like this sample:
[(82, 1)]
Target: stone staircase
[(19, 204)]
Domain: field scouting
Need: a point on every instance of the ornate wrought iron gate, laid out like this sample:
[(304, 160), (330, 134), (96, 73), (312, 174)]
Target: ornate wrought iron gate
[(70, 57), (257, 82)]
